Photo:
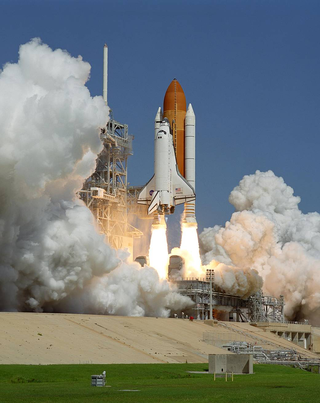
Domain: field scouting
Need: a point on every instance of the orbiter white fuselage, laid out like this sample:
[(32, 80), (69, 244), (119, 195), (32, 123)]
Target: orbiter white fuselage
[(167, 188)]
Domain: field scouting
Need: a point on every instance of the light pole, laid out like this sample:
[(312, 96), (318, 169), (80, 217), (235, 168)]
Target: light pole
[(210, 277)]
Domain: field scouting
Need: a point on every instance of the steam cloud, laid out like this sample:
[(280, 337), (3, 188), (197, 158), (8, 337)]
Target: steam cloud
[(268, 233), (51, 256)]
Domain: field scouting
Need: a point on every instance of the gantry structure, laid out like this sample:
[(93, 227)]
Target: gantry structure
[(211, 301), (265, 308), (105, 192)]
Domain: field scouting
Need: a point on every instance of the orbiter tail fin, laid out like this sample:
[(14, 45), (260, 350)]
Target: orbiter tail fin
[(154, 203)]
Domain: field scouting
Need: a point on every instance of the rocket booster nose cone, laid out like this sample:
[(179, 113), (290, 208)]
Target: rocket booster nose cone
[(190, 116), (190, 111), (174, 98)]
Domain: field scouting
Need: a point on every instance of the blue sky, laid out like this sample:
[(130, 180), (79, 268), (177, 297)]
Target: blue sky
[(250, 68)]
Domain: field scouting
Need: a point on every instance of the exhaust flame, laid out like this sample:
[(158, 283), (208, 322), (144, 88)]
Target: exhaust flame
[(158, 252), (239, 281), (242, 282), (190, 250)]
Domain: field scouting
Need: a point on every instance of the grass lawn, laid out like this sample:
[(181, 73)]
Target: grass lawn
[(154, 383)]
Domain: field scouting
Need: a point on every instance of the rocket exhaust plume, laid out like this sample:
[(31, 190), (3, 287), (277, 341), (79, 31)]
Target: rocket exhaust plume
[(158, 252), (51, 256), (190, 249), (234, 280)]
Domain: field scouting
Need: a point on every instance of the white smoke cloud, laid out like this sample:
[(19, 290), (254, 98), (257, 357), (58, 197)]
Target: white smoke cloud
[(49, 247), (269, 234), (129, 290), (234, 280), (241, 282)]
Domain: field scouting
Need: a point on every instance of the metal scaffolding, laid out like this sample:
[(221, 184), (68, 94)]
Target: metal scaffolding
[(257, 308), (199, 291), (105, 192), (266, 308)]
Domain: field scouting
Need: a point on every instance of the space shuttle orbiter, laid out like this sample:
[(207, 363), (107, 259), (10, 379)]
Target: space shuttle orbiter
[(167, 188)]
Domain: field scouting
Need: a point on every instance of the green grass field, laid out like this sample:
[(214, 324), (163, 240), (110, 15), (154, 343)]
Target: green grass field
[(155, 383)]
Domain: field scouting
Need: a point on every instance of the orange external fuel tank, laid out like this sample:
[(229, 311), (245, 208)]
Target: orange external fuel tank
[(174, 109)]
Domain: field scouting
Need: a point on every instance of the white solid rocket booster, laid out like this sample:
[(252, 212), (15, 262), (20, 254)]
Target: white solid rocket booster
[(190, 159)]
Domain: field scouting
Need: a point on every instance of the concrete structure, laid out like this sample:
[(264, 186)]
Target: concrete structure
[(315, 340), (43, 338), (262, 334), (230, 363), (299, 334)]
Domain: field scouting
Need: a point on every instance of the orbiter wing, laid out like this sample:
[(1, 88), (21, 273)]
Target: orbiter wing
[(146, 193)]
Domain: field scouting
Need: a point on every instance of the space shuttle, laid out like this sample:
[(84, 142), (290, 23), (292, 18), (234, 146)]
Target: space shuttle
[(167, 187)]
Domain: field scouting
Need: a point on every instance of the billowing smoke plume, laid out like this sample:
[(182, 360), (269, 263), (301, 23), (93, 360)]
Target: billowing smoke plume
[(270, 234), (242, 282), (49, 248), (127, 290)]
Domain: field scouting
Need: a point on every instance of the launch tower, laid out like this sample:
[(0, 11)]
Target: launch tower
[(105, 192)]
